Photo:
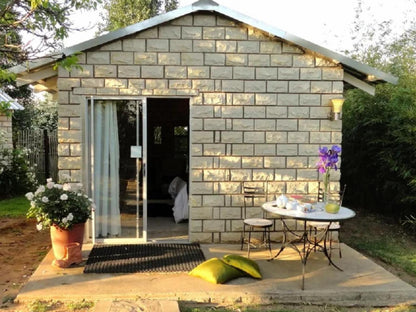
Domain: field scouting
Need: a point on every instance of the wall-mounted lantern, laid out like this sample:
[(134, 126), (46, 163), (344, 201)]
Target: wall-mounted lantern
[(336, 108)]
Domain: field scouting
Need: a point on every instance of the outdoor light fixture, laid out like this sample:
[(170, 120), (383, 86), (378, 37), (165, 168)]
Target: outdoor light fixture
[(336, 108)]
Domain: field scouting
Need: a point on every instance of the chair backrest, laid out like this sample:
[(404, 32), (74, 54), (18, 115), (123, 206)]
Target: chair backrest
[(341, 194), (250, 194)]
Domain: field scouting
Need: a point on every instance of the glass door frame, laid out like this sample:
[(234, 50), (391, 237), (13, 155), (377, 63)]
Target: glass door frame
[(88, 167)]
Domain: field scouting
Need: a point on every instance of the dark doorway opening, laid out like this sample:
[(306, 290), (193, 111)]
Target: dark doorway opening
[(168, 154)]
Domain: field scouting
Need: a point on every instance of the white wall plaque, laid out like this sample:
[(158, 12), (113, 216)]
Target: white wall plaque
[(135, 152)]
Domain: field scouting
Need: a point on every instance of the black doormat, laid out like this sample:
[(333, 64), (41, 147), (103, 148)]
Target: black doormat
[(144, 258)]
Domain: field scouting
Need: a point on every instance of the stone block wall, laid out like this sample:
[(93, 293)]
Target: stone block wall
[(259, 109)]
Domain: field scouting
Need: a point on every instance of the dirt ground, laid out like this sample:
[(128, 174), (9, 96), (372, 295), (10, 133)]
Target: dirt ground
[(22, 248)]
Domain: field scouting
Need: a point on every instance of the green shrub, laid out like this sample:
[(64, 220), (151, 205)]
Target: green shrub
[(16, 175)]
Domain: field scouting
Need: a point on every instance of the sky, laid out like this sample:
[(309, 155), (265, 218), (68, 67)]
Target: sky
[(328, 23)]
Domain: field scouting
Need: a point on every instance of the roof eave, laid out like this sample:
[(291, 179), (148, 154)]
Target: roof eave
[(37, 63)]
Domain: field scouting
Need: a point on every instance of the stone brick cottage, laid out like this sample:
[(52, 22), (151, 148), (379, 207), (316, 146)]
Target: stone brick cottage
[(193, 104)]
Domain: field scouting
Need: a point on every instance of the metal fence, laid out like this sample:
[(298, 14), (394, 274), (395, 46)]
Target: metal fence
[(42, 146)]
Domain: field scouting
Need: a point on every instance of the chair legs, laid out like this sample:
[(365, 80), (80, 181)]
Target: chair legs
[(330, 244), (329, 237), (265, 239), (243, 236)]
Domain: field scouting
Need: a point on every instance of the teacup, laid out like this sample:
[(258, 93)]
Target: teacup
[(307, 206)]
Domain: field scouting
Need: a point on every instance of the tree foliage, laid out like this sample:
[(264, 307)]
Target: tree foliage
[(43, 24), (379, 132), (46, 21), (38, 114), (123, 13)]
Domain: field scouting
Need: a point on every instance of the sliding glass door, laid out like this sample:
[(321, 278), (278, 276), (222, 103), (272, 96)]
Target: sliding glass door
[(115, 169)]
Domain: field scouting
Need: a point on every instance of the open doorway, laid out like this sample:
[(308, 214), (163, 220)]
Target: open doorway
[(167, 168), (137, 154)]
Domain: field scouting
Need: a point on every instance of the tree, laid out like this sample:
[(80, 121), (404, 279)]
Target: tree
[(45, 22), (122, 13), (379, 132)]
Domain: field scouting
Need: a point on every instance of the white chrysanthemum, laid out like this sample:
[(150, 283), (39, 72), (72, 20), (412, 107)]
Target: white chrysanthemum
[(58, 186), (70, 216), (79, 194), (63, 197), (49, 180), (32, 204), (39, 226), (50, 185), (29, 195), (45, 199), (64, 220), (66, 187)]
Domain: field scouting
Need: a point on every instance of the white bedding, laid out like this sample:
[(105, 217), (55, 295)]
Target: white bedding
[(177, 189)]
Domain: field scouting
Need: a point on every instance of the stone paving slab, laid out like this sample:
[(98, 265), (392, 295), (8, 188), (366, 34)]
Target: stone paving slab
[(362, 282)]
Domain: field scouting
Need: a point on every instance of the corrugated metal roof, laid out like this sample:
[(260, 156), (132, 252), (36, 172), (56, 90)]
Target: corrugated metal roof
[(34, 64), (4, 97), (357, 69)]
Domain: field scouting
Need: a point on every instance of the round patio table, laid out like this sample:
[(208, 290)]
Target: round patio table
[(301, 237)]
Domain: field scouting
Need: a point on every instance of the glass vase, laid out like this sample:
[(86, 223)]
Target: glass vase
[(326, 187)]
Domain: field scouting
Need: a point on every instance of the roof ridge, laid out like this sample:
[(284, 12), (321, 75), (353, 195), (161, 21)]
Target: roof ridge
[(204, 2)]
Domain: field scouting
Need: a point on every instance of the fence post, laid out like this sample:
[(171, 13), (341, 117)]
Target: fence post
[(46, 150)]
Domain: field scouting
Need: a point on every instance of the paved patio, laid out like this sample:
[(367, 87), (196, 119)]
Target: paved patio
[(361, 282)]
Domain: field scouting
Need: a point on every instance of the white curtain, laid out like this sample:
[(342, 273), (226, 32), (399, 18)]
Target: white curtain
[(106, 169)]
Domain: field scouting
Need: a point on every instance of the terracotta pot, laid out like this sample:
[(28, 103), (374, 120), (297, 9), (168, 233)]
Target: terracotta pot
[(61, 238)]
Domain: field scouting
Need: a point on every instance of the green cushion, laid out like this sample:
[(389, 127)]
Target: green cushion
[(216, 271), (244, 264)]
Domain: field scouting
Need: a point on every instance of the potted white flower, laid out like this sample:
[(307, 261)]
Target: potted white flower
[(64, 209)]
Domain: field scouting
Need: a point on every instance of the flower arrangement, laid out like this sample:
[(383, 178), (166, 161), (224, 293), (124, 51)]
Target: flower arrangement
[(328, 159), (62, 205)]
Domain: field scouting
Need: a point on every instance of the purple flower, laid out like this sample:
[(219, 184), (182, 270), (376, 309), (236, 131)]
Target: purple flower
[(336, 149), (328, 159)]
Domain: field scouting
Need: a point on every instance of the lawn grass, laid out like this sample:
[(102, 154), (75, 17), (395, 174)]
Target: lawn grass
[(391, 250), (14, 207), (382, 239)]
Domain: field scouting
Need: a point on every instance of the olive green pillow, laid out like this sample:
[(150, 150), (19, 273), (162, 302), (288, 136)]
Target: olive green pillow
[(244, 264), (216, 271)]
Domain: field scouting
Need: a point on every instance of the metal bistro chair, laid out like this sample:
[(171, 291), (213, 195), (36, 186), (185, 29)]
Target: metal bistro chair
[(333, 226), (250, 225)]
